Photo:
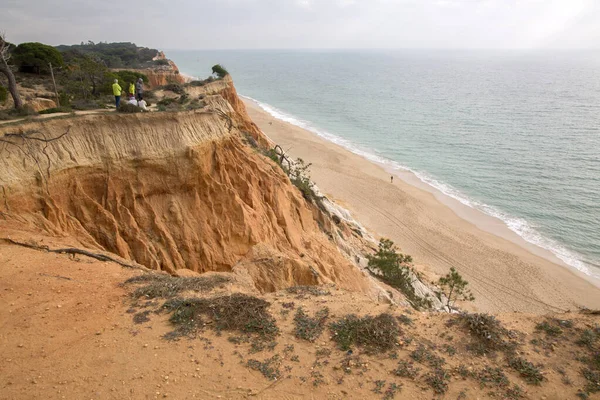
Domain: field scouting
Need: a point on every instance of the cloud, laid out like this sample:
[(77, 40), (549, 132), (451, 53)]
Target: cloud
[(308, 23)]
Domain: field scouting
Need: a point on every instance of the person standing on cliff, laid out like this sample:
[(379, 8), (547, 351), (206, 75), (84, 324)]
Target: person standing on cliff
[(117, 92), (131, 89), (139, 89)]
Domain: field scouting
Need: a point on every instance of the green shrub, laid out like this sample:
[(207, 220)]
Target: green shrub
[(551, 330), (56, 110), (161, 62), (238, 312), (393, 268), (220, 71), (454, 287), (406, 369), (310, 328), (34, 57), (175, 88), (487, 332), (527, 370), (3, 94), (438, 380), (376, 334)]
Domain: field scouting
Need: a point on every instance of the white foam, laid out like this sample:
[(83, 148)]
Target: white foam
[(518, 225)]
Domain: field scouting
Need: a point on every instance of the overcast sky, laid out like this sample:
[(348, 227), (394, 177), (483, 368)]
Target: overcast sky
[(285, 24)]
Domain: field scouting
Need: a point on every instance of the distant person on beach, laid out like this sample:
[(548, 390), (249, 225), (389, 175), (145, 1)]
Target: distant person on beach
[(392, 179), (117, 92), (139, 89), (131, 89)]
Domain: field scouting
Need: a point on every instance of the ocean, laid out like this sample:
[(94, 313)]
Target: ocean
[(514, 134)]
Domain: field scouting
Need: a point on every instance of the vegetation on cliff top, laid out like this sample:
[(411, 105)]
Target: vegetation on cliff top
[(113, 55)]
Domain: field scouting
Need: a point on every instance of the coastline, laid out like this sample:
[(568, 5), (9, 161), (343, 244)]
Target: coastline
[(506, 272)]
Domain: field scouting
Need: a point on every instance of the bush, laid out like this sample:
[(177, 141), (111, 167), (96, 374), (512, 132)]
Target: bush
[(309, 328), (34, 57), (175, 88), (129, 108), (220, 71), (161, 62), (376, 334), (166, 286), (202, 83), (56, 110), (438, 380), (454, 287), (527, 370), (392, 268), (238, 312), (486, 330), (3, 94), (15, 113)]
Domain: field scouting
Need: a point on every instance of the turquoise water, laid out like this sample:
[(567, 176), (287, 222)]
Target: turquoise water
[(514, 134)]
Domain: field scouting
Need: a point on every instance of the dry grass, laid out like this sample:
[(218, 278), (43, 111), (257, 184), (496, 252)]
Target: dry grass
[(376, 334), (238, 312), (166, 286)]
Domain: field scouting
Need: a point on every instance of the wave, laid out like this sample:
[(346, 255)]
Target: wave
[(518, 225)]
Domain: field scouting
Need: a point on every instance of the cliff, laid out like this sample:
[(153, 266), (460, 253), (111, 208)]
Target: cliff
[(171, 191)]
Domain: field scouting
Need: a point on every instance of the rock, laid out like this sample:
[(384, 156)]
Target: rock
[(184, 272), (40, 104)]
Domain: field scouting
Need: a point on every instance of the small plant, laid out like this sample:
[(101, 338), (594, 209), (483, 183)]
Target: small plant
[(529, 372), (438, 380), (588, 337), (551, 330), (593, 380), (515, 393), (492, 376), (487, 332), (166, 286), (454, 287), (309, 328), (425, 356), (450, 350), (269, 367), (391, 391), (405, 319), (220, 71), (377, 334), (379, 385), (406, 369)]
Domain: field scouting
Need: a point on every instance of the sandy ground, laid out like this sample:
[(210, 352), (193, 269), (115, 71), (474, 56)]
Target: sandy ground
[(505, 272), (67, 332)]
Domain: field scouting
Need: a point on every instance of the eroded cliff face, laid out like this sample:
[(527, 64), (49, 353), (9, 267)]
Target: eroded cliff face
[(171, 191)]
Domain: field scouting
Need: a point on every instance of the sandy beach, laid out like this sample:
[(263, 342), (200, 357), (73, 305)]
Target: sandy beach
[(505, 272)]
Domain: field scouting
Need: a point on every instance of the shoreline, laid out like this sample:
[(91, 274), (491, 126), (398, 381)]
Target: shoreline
[(443, 232)]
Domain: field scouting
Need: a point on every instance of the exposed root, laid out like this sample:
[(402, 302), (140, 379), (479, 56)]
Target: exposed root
[(73, 250)]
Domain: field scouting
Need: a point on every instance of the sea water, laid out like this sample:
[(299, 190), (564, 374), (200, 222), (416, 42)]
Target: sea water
[(515, 134)]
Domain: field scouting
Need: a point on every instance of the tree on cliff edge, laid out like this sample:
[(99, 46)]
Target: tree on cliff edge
[(5, 69)]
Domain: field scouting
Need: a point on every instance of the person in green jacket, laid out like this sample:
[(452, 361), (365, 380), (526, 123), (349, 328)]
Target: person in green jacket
[(117, 92), (131, 89)]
